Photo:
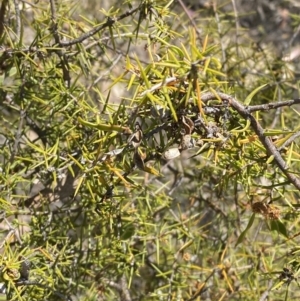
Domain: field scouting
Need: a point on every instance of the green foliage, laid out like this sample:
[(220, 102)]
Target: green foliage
[(128, 172)]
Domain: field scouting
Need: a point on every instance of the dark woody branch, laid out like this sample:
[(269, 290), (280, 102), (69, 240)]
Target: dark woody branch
[(245, 112), (273, 105), (109, 22)]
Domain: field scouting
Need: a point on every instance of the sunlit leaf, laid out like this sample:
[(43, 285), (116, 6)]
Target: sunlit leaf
[(252, 94)]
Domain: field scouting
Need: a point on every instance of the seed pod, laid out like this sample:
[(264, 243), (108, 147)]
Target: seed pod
[(171, 153)]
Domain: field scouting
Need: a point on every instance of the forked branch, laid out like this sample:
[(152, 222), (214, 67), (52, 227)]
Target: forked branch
[(245, 112)]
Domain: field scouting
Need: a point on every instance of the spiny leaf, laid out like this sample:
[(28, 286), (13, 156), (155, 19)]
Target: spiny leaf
[(250, 96), (278, 226), (243, 234)]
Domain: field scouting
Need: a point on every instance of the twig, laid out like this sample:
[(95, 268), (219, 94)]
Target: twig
[(266, 293), (115, 62), (203, 286), (119, 36), (245, 112), (64, 189), (294, 36), (196, 27), (276, 118), (289, 141), (9, 235), (121, 287), (36, 283), (165, 82), (273, 105), (115, 285), (236, 27), (53, 19), (30, 4), (125, 294), (109, 22), (18, 20), (63, 58), (12, 233), (278, 110), (18, 135), (41, 133), (2, 14), (173, 274), (220, 35)]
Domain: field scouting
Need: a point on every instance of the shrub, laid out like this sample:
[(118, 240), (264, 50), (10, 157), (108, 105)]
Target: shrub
[(143, 157)]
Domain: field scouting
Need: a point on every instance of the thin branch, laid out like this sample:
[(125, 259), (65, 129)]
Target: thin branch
[(18, 20), (8, 237), (296, 33), (18, 135), (236, 27), (30, 4), (121, 287), (278, 110), (266, 141), (289, 141), (63, 191), (37, 283), (125, 294), (187, 12), (63, 58), (142, 35), (276, 118), (165, 82), (53, 19), (2, 15), (41, 133), (172, 276), (222, 45), (273, 105), (109, 22), (203, 286), (266, 293), (107, 72)]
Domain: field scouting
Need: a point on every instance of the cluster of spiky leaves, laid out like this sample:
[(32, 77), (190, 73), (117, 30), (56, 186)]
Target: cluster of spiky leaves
[(118, 180)]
